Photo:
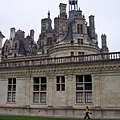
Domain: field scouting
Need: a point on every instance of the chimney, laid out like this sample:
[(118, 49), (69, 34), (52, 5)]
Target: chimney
[(12, 33), (32, 34), (92, 26), (1, 38)]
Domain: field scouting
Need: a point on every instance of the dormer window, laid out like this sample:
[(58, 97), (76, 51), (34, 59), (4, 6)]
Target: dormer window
[(79, 28), (6, 48), (49, 41), (15, 46)]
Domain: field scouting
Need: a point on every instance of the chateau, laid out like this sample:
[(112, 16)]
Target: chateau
[(62, 73)]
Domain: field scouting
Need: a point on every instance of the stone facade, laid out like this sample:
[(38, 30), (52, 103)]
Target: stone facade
[(62, 73)]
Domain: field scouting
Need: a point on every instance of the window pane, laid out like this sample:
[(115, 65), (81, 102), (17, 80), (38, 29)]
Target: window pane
[(79, 78), (9, 81), (14, 87), (58, 87), (9, 87), (36, 87), (88, 86), (13, 96), (79, 97), (36, 80), (43, 87), (63, 79), (58, 79), (43, 79), (79, 86), (63, 87), (88, 78), (14, 80), (88, 97), (36, 97), (9, 97), (43, 97)]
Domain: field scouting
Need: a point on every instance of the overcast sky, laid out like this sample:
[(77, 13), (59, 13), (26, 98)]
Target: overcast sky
[(27, 14)]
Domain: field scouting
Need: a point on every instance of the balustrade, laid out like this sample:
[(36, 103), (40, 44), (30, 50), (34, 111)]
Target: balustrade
[(62, 60)]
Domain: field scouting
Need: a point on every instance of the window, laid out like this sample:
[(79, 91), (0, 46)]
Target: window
[(49, 41), (6, 48), (79, 28), (72, 53), (81, 57), (60, 83), (84, 89), (81, 53), (80, 41), (11, 95), (15, 46), (72, 42), (39, 89)]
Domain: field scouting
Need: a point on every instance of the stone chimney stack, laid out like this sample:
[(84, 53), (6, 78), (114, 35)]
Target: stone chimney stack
[(63, 13), (1, 38), (104, 43), (12, 33), (32, 34), (92, 26)]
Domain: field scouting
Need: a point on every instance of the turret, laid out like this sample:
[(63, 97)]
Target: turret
[(92, 27), (104, 43), (1, 38)]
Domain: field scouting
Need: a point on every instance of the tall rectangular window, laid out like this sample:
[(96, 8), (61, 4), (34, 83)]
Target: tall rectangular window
[(60, 83), (39, 89), (11, 95), (84, 89), (79, 28)]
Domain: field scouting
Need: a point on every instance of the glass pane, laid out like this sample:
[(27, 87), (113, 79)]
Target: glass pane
[(36, 87), (9, 81), (9, 87), (63, 87), (88, 86), (14, 80), (13, 97), (43, 97), (43, 79), (58, 79), (88, 97), (58, 87), (79, 97), (88, 78), (43, 87), (63, 79), (36, 80), (36, 97), (79, 78), (9, 97), (79, 86), (14, 87)]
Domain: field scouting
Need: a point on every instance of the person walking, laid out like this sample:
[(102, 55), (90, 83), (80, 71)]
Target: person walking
[(87, 113)]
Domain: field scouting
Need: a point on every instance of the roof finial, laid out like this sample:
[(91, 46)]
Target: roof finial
[(48, 14)]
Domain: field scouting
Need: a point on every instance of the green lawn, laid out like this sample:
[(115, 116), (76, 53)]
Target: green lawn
[(33, 118)]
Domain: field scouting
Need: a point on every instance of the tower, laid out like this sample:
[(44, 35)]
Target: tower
[(1, 38)]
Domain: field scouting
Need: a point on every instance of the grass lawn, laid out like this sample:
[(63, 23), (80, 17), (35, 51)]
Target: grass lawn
[(33, 118)]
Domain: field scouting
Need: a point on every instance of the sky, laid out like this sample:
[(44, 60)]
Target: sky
[(27, 14)]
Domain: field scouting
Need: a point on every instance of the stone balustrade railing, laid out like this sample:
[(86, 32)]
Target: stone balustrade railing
[(60, 60)]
